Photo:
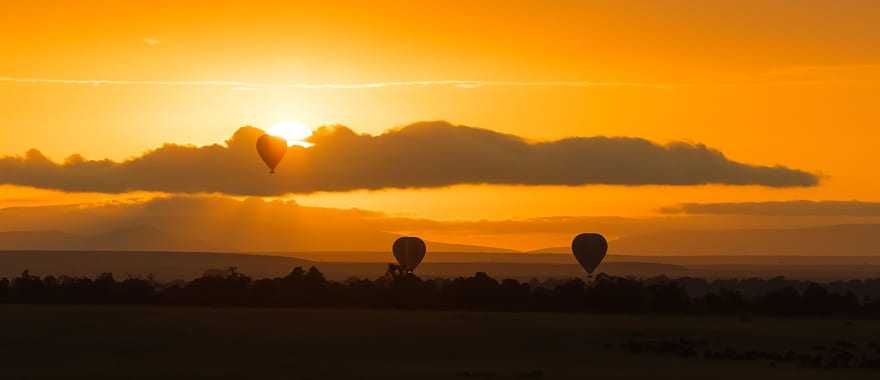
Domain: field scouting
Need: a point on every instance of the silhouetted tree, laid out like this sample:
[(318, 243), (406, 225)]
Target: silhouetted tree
[(615, 294), (668, 297), (402, 289), (4, 290), (724, 302)]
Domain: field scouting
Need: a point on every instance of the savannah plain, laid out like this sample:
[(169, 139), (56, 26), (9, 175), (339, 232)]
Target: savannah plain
[(99, 342)]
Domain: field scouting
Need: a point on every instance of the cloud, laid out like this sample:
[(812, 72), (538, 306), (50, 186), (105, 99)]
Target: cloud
[(454, 83), (565, 225), (198, 223), (218, 223), (783, 208), (151, 42), (421, 155)]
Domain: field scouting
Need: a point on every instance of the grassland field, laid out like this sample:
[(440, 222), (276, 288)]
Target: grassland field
[(97, 342)]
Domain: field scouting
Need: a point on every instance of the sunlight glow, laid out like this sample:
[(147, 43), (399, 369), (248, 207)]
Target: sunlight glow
[(294, 132)]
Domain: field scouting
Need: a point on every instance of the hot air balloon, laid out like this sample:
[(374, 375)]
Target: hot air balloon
[(589, 249), (271, 150), (409, 252)]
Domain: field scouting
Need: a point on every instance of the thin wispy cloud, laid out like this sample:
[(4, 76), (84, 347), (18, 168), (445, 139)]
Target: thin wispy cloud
[(779, 208), (362, 85), (462, 84), (813, 69), (151, 42)]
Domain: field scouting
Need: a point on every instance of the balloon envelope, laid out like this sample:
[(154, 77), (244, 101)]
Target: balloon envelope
[(589, 250), (409, 252), (271, 150)]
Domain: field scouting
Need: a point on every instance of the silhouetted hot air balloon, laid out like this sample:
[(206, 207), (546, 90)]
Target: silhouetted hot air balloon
[(589, 250), (409, 252), (271, 150)]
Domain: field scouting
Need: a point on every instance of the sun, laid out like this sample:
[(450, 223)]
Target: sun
[(294, 132)]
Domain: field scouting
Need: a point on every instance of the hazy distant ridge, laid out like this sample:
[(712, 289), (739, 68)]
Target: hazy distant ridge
[(148, 238), (837, 240)]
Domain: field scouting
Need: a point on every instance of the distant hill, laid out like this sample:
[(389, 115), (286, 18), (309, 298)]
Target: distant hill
[(169, 266), (837, 240), (43, 240), (204, 223), (436, 247), (149, 238), (434, 256), (165, 266), (552, 250)]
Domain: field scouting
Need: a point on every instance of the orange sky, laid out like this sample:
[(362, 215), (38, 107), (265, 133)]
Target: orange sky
[(764, 82)]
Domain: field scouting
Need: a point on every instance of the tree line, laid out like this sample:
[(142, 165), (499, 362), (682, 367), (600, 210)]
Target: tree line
[(399, 289)]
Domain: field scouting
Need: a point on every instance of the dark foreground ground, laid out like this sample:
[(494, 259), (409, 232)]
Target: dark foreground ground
[(154, 342)]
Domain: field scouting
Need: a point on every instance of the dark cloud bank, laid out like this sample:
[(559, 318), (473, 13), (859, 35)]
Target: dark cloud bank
[(783, 208), (201, 223), (225, 224), (427, 154)]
